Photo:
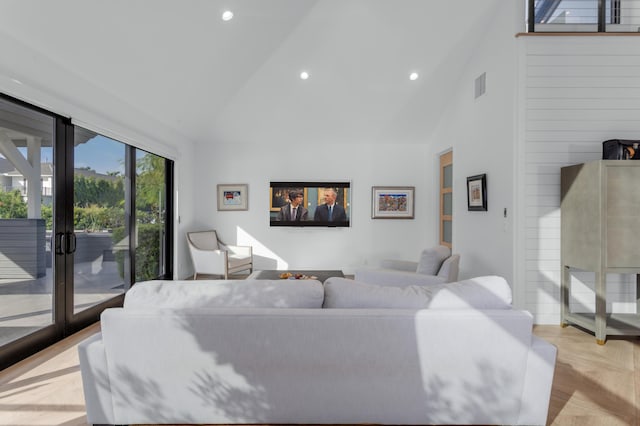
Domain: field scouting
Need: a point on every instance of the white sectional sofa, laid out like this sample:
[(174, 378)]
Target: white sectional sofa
[(268, 352)]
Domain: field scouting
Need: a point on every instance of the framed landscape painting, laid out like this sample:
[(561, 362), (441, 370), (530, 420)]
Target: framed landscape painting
[(233, 197), (392, 202)]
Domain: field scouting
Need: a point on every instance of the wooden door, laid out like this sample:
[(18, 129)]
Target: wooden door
[(446, 198)]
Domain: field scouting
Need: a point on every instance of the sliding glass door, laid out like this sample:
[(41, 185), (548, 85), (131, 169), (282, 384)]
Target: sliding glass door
[(151, 216), (82, 218), (100, 244), (26, 209)]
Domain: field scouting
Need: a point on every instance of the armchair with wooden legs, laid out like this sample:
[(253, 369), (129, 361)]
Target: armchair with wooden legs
[(212, 257)]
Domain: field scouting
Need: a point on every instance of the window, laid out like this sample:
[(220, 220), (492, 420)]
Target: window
[(583, 16), (151, 212)]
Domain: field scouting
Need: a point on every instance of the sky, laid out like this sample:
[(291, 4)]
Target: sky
[(101, 154)]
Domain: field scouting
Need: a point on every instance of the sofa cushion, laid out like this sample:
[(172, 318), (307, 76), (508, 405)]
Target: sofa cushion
[(226, 293), (491, 292), (431, 259), (346, 293)]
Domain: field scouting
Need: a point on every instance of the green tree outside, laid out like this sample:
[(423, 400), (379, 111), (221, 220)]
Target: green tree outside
[(12, 206)]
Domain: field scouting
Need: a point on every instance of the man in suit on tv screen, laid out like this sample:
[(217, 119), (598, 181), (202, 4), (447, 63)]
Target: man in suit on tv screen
[(294, 210), (330, 211)]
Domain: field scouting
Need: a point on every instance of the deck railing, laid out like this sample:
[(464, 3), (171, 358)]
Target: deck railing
[(583, 16)]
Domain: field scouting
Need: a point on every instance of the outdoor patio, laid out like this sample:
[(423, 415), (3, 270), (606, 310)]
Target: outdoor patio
[(27, 304)]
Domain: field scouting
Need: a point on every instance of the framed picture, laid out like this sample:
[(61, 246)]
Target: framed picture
[(392, 202), (477, 193), (233, 197)]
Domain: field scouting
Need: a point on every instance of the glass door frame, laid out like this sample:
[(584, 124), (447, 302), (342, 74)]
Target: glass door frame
[(48, 334), (63, 245), (64, 320)]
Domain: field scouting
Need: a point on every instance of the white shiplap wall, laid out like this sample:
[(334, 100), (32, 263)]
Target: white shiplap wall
[(575, 92)]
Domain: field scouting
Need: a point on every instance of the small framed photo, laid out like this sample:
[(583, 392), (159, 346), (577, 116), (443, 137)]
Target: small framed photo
[(392, 202), (477, 193), (233, 197)]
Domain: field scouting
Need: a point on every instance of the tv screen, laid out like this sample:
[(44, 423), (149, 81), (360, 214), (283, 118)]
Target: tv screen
[(326, 203)]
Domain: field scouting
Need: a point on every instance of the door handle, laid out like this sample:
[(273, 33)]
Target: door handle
[(71, 243), (60, 240)]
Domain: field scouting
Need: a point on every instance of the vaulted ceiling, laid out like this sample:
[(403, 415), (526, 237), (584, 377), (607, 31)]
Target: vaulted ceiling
[(181, 66)]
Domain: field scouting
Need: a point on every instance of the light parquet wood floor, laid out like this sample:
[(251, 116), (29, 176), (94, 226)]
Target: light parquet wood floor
[(593, 385)]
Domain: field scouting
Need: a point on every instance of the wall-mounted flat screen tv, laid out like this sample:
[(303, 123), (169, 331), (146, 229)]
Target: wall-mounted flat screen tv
[(325, 203)]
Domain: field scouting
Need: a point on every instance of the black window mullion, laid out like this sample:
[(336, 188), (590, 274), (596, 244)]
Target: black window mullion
[(130, 215), (168, 220), (602, 13), (532, 16), (63, 223)]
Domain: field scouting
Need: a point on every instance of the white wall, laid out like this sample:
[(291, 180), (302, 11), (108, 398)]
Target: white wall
[(365, 165), (481, 132), (576, 93)]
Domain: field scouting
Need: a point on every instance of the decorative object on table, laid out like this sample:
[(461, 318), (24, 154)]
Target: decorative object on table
[(477, 193), (621, 149), (392, 202), (273, 274), (292, 276), (233, 197)]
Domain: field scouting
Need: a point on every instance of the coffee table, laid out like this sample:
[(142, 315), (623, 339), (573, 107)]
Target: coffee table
[(272, 274)]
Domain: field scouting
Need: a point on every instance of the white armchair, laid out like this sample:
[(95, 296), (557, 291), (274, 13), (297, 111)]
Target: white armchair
[(436, 266), (211, 256)]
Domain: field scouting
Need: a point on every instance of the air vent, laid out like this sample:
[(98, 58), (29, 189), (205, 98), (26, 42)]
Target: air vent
[(481, 85)]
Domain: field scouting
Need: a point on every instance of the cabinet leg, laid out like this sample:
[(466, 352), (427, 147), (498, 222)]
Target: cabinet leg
[(565, 286), (600, 342), (601, 307)]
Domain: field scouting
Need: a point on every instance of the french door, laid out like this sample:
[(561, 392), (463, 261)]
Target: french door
[(82, 218)]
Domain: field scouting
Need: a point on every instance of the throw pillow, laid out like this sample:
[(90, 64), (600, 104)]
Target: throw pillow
[(431, 259), (226, 294)]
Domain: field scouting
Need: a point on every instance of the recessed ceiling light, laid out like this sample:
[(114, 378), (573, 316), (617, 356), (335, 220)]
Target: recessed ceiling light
[(304, 75), (227, 15), (413, 76)]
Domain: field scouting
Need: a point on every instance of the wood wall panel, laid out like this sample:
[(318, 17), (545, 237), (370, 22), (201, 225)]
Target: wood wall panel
[(576, 93)]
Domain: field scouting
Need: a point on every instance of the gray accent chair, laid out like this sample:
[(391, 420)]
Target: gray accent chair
[(212, 257)]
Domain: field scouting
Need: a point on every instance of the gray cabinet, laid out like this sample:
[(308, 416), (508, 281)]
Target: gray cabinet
[(600, 232)]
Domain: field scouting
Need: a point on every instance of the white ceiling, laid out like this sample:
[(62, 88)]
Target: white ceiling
[(238, 81)]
